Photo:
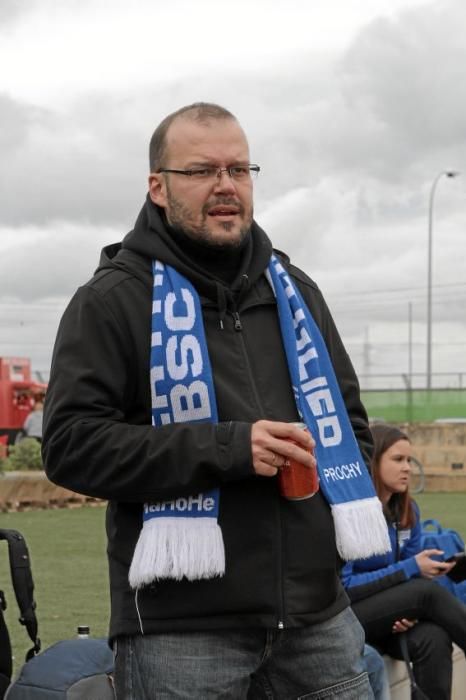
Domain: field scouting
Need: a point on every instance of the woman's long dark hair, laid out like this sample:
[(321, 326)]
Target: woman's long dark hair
[(399, 508)]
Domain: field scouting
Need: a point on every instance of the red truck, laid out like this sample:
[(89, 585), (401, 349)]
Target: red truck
[(18, 394)]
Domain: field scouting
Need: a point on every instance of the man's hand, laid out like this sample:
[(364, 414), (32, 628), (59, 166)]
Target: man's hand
[(431, 568), (271, 446)]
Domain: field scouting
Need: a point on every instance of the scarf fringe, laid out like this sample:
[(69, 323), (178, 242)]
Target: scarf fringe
[(177, 547), (360, 529)]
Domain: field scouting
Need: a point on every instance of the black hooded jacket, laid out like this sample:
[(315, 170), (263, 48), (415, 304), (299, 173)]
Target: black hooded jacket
[(281, 561)]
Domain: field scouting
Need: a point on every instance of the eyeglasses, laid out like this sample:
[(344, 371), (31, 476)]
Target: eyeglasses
[(238, 173)]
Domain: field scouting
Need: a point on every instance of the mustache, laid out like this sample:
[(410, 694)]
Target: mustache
[(225, 201)]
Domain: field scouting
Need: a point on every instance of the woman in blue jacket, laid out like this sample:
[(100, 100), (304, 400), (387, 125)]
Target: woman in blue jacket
[(396, 592)]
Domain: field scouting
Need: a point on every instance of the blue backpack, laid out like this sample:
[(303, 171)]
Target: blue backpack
[(73, 669), (434, 536)]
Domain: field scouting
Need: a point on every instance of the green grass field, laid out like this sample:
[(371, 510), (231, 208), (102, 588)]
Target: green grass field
[(67, 550), (448, 508), (420, 405)]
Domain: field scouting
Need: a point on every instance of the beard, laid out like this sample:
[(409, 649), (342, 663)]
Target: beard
[(182, 220)]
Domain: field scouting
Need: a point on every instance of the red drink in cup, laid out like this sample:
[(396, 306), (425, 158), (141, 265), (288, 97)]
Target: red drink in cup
[(295, 481)]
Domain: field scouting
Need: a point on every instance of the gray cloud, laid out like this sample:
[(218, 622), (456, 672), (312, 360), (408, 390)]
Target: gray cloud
[(405, 76), (11, 10), (389, 111), (51, 262), (349, 146), (77, 166)]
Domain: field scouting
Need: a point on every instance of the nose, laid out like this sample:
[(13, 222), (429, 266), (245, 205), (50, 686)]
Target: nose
[(224, 182)]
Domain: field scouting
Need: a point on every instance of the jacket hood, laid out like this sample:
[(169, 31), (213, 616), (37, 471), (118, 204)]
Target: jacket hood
[(150, 239)]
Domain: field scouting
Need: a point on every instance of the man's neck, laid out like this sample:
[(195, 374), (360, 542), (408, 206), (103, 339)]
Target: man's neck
[(221, 262)]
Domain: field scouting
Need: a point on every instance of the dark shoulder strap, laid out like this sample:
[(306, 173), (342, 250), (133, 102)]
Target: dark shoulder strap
[(23, 585), (416, 692), (6, 666)]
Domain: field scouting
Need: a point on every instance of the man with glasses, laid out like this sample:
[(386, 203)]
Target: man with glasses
[(170, 396)]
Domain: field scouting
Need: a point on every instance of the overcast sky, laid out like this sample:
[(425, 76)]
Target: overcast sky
[(352, 108)]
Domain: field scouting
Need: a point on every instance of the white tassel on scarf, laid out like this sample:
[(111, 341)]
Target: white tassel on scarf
[(174, 548)]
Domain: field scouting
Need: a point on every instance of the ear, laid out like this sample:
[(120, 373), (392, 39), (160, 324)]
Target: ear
[(158, 189)]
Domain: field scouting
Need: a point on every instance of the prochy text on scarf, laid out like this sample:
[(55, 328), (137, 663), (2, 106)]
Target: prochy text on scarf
[(343, 471)]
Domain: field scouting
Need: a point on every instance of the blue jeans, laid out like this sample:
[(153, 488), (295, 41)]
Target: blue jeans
[(378, 678), (320, 661)]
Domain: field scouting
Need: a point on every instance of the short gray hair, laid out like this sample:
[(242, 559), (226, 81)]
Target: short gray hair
[(200, 112)]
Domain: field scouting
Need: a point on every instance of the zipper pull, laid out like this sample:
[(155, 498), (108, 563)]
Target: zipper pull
[(238, 326)]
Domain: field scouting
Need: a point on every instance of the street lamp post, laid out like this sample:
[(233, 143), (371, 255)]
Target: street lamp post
[(447, 173)]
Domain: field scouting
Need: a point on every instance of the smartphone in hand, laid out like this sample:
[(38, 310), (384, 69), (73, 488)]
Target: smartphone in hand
[(456, 557), (458, 573)]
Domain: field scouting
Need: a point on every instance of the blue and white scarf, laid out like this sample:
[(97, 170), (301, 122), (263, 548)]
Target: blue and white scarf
[(182, 538)]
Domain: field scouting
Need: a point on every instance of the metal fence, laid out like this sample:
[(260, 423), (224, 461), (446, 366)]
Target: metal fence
[(415, 380)]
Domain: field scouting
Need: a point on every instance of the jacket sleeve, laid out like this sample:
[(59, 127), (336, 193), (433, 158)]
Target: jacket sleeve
[(362, 584), (91, 445), (362, 578)]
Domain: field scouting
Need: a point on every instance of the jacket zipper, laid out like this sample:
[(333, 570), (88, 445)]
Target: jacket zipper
[(280, 624), (281, 613), (237, 320)]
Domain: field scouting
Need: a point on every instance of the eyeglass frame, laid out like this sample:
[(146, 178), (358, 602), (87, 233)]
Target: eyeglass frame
[(252, 167)]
